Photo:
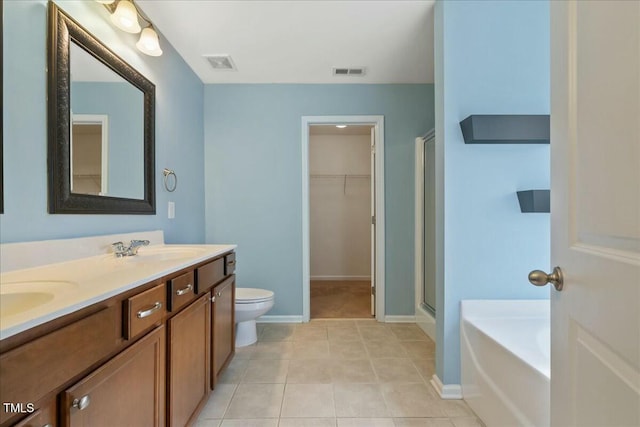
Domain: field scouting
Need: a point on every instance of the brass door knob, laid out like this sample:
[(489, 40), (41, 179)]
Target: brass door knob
[(540, 278)]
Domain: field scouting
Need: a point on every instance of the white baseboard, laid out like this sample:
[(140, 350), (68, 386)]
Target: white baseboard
[(345, 278), (399, 319), (279, 319), (448, 391)]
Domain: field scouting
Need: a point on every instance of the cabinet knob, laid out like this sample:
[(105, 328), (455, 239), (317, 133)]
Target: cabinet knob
[(48, 425), (213, 298), (81, 403), (219, 294)]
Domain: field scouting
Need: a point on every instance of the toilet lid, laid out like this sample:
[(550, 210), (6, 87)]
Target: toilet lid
[(251, 295)]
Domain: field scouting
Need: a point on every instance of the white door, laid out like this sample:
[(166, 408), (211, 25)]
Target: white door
[(373, 221), (595, 212)]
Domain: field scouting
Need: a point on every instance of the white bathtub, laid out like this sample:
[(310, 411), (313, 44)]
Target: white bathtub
[(505, 361)]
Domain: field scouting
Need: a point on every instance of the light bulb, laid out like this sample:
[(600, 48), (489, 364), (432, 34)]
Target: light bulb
[(106, 1), (149, 43), (341, 126), (126, 17)]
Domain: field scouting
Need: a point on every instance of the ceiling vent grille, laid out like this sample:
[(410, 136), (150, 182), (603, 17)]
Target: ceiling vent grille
[(351, 71), (221, 62)]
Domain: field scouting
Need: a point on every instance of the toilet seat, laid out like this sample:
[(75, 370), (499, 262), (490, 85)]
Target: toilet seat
[(252, 295)]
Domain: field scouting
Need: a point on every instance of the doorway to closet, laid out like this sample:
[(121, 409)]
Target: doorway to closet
[(341, 209), (342, 199)]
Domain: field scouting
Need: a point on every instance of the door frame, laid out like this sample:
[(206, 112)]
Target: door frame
[(103, 121), (378, 124)]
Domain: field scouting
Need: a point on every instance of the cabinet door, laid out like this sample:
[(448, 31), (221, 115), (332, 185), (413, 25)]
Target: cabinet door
[(189, 355), (223, 327), (45, 416), (126, 391)]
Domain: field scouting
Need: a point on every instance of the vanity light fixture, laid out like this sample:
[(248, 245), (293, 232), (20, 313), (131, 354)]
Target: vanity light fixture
[(148, 43), (124, 15)]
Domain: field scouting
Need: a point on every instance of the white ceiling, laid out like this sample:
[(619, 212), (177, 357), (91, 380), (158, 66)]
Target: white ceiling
[(300, 41)]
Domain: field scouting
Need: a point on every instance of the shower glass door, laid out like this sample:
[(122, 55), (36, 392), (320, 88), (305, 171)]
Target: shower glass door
[(429, 250)]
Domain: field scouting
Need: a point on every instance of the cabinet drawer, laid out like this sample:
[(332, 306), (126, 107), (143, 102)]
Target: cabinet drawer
[(230, 264), (33, 369), (181, 291), (209, 274), (144, 311)]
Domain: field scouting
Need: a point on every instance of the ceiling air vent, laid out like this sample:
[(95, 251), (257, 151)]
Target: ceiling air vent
[(352, 71), (221, 62)]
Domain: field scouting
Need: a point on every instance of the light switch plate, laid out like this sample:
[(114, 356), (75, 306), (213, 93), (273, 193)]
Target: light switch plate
[(171, 211)]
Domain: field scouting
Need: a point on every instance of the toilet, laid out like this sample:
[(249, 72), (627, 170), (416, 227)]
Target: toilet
[(251, 303)]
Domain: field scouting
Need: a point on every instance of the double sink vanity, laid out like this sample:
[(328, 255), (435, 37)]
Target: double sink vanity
[(132, 341)]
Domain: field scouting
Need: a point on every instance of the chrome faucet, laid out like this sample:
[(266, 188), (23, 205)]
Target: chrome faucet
[(120, 250)]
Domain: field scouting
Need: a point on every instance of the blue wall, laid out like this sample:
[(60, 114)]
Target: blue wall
[(253, 177), (492, 58), (179, 131), (123, 104)]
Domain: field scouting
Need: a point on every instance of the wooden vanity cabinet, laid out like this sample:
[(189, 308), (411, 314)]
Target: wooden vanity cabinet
[(222, 326), (146, 357), (128, 390), (189, 361)]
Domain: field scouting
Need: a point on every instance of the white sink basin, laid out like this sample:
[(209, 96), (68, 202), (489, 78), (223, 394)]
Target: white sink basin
[(18, 297), (12, 304)]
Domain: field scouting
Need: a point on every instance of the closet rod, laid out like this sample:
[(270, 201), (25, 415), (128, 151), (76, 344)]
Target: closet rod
[(341, 175)]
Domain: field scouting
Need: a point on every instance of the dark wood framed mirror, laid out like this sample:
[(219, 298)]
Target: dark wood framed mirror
[(1, 107), (101, 124)]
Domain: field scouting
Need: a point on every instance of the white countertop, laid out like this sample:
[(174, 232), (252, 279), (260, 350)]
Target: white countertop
[(79, 283)]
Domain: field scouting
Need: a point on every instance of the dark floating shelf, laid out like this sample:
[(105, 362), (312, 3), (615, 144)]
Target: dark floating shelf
[(506, 129), (534, 201)]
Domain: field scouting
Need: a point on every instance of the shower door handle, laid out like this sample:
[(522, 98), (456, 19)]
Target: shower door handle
[(540, 278)]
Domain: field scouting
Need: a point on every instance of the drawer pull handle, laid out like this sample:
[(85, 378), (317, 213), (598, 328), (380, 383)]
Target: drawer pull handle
[(213, 298), (81, 403), (146, 313), (185, 290), (231, 262)]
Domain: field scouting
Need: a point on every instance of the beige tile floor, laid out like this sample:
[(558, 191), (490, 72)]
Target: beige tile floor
[(334, 373)]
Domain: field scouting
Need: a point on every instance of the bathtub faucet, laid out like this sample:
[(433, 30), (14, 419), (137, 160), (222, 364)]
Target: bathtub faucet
[(120, 250)]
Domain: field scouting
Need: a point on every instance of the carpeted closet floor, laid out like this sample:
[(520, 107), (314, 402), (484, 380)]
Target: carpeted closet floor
[(340, 299)]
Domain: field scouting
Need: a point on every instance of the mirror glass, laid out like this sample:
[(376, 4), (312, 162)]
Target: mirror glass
[(101, 114), (107, 130)]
